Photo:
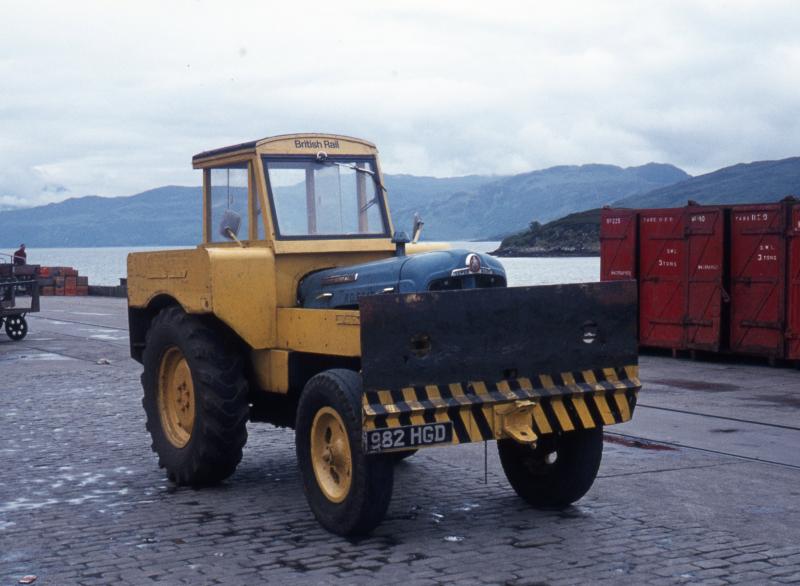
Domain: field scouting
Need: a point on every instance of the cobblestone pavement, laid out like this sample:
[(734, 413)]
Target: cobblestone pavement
[(82, 500)]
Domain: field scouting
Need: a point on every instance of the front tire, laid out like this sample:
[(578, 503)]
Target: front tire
[(558, 472), (195, 399), (347, 490)]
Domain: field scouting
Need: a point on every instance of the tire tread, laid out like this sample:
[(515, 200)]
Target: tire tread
[(220, 432)]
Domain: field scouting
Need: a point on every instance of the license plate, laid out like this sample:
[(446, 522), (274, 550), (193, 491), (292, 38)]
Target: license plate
[(409, 436)]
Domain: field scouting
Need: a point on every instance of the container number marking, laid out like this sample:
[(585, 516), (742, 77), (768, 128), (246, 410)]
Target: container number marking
[(752, 217)]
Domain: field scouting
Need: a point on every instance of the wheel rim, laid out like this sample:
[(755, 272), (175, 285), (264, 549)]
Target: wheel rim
[(176, 403), (330, 455), (16, 327)]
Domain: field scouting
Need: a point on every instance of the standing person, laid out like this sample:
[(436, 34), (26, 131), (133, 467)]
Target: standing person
[(20, 256)]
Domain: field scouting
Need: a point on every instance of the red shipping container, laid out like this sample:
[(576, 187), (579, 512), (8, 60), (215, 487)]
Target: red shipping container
[(662, 268), (758, 279), (706, 298), (793, 308), (618, 244)]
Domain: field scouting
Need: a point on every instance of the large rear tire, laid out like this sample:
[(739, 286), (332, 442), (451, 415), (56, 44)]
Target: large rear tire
[(558, 472), (195, 399), (347, 490)]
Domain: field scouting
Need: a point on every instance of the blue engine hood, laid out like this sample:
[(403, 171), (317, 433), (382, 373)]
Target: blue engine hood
[(342, 286)]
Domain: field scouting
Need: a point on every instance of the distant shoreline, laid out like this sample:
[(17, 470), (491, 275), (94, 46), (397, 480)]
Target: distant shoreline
[(510, 253), (125, 246)]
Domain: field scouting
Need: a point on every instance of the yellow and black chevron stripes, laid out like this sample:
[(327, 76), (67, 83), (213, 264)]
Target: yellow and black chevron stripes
[(564, 402)]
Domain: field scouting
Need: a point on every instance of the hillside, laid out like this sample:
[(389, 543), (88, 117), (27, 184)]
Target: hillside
[(508, 204), (171, 215), (457, 208), (762, 181), (167, 215), (577, 234), (410, 193)]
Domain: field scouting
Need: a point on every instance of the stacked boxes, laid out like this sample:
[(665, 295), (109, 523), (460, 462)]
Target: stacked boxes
[(62, 281)]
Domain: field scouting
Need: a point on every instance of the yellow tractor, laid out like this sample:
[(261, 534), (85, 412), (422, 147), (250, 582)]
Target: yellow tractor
[(303, 307)]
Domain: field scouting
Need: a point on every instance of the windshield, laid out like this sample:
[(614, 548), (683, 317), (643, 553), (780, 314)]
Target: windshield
[(334, 197)]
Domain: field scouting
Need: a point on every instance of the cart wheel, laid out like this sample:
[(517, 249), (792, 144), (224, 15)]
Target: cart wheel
[(16, 327), (347, 490)]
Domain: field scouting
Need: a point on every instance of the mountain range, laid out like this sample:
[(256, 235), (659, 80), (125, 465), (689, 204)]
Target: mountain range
[(579, 233), (497, 206), (757, 182), (454, 208)]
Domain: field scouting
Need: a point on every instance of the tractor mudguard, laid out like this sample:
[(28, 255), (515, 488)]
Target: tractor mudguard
[(520, 362)]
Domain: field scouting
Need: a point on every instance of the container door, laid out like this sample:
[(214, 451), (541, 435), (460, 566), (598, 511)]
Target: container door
[(758, 279), (662, 293), (793, 309), (705, 243), (617, 245)]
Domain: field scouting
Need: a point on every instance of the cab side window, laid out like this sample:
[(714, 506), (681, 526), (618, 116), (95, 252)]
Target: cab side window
[(229, 187)]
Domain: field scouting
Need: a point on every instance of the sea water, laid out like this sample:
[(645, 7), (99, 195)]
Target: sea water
[(105, 266)]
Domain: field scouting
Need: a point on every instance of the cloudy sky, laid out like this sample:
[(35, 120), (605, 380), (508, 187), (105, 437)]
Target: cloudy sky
[(113, 98)]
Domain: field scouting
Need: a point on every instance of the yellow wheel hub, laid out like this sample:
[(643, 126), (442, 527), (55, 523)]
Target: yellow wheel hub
[(176, 397), (330, 455)]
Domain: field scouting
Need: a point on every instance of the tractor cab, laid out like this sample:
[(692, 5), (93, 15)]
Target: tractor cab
[(320, 203)]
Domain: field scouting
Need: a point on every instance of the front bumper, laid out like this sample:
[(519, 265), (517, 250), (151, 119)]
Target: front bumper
[(479, 410)]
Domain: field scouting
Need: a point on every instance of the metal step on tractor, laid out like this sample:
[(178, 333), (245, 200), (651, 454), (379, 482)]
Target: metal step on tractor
[(303, 307)]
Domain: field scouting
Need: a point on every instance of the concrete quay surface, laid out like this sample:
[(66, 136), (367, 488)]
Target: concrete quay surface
[(702, 487)]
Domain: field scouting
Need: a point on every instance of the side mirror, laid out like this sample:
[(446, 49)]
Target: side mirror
[(417, 229), (229, 226)]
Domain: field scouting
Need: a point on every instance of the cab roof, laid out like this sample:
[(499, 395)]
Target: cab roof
[(254, 145)]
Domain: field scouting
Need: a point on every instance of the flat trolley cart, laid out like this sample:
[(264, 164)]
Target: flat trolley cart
[(19, 296)]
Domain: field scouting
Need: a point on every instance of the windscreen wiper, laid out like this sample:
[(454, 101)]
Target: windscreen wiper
[(322, 159)]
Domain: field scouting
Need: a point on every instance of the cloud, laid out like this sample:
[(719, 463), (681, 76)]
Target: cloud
[(23, 187), (112, 99)]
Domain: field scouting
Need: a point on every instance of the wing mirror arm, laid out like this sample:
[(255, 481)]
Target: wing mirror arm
[(229, 226), (417, 229), (230, 234)]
